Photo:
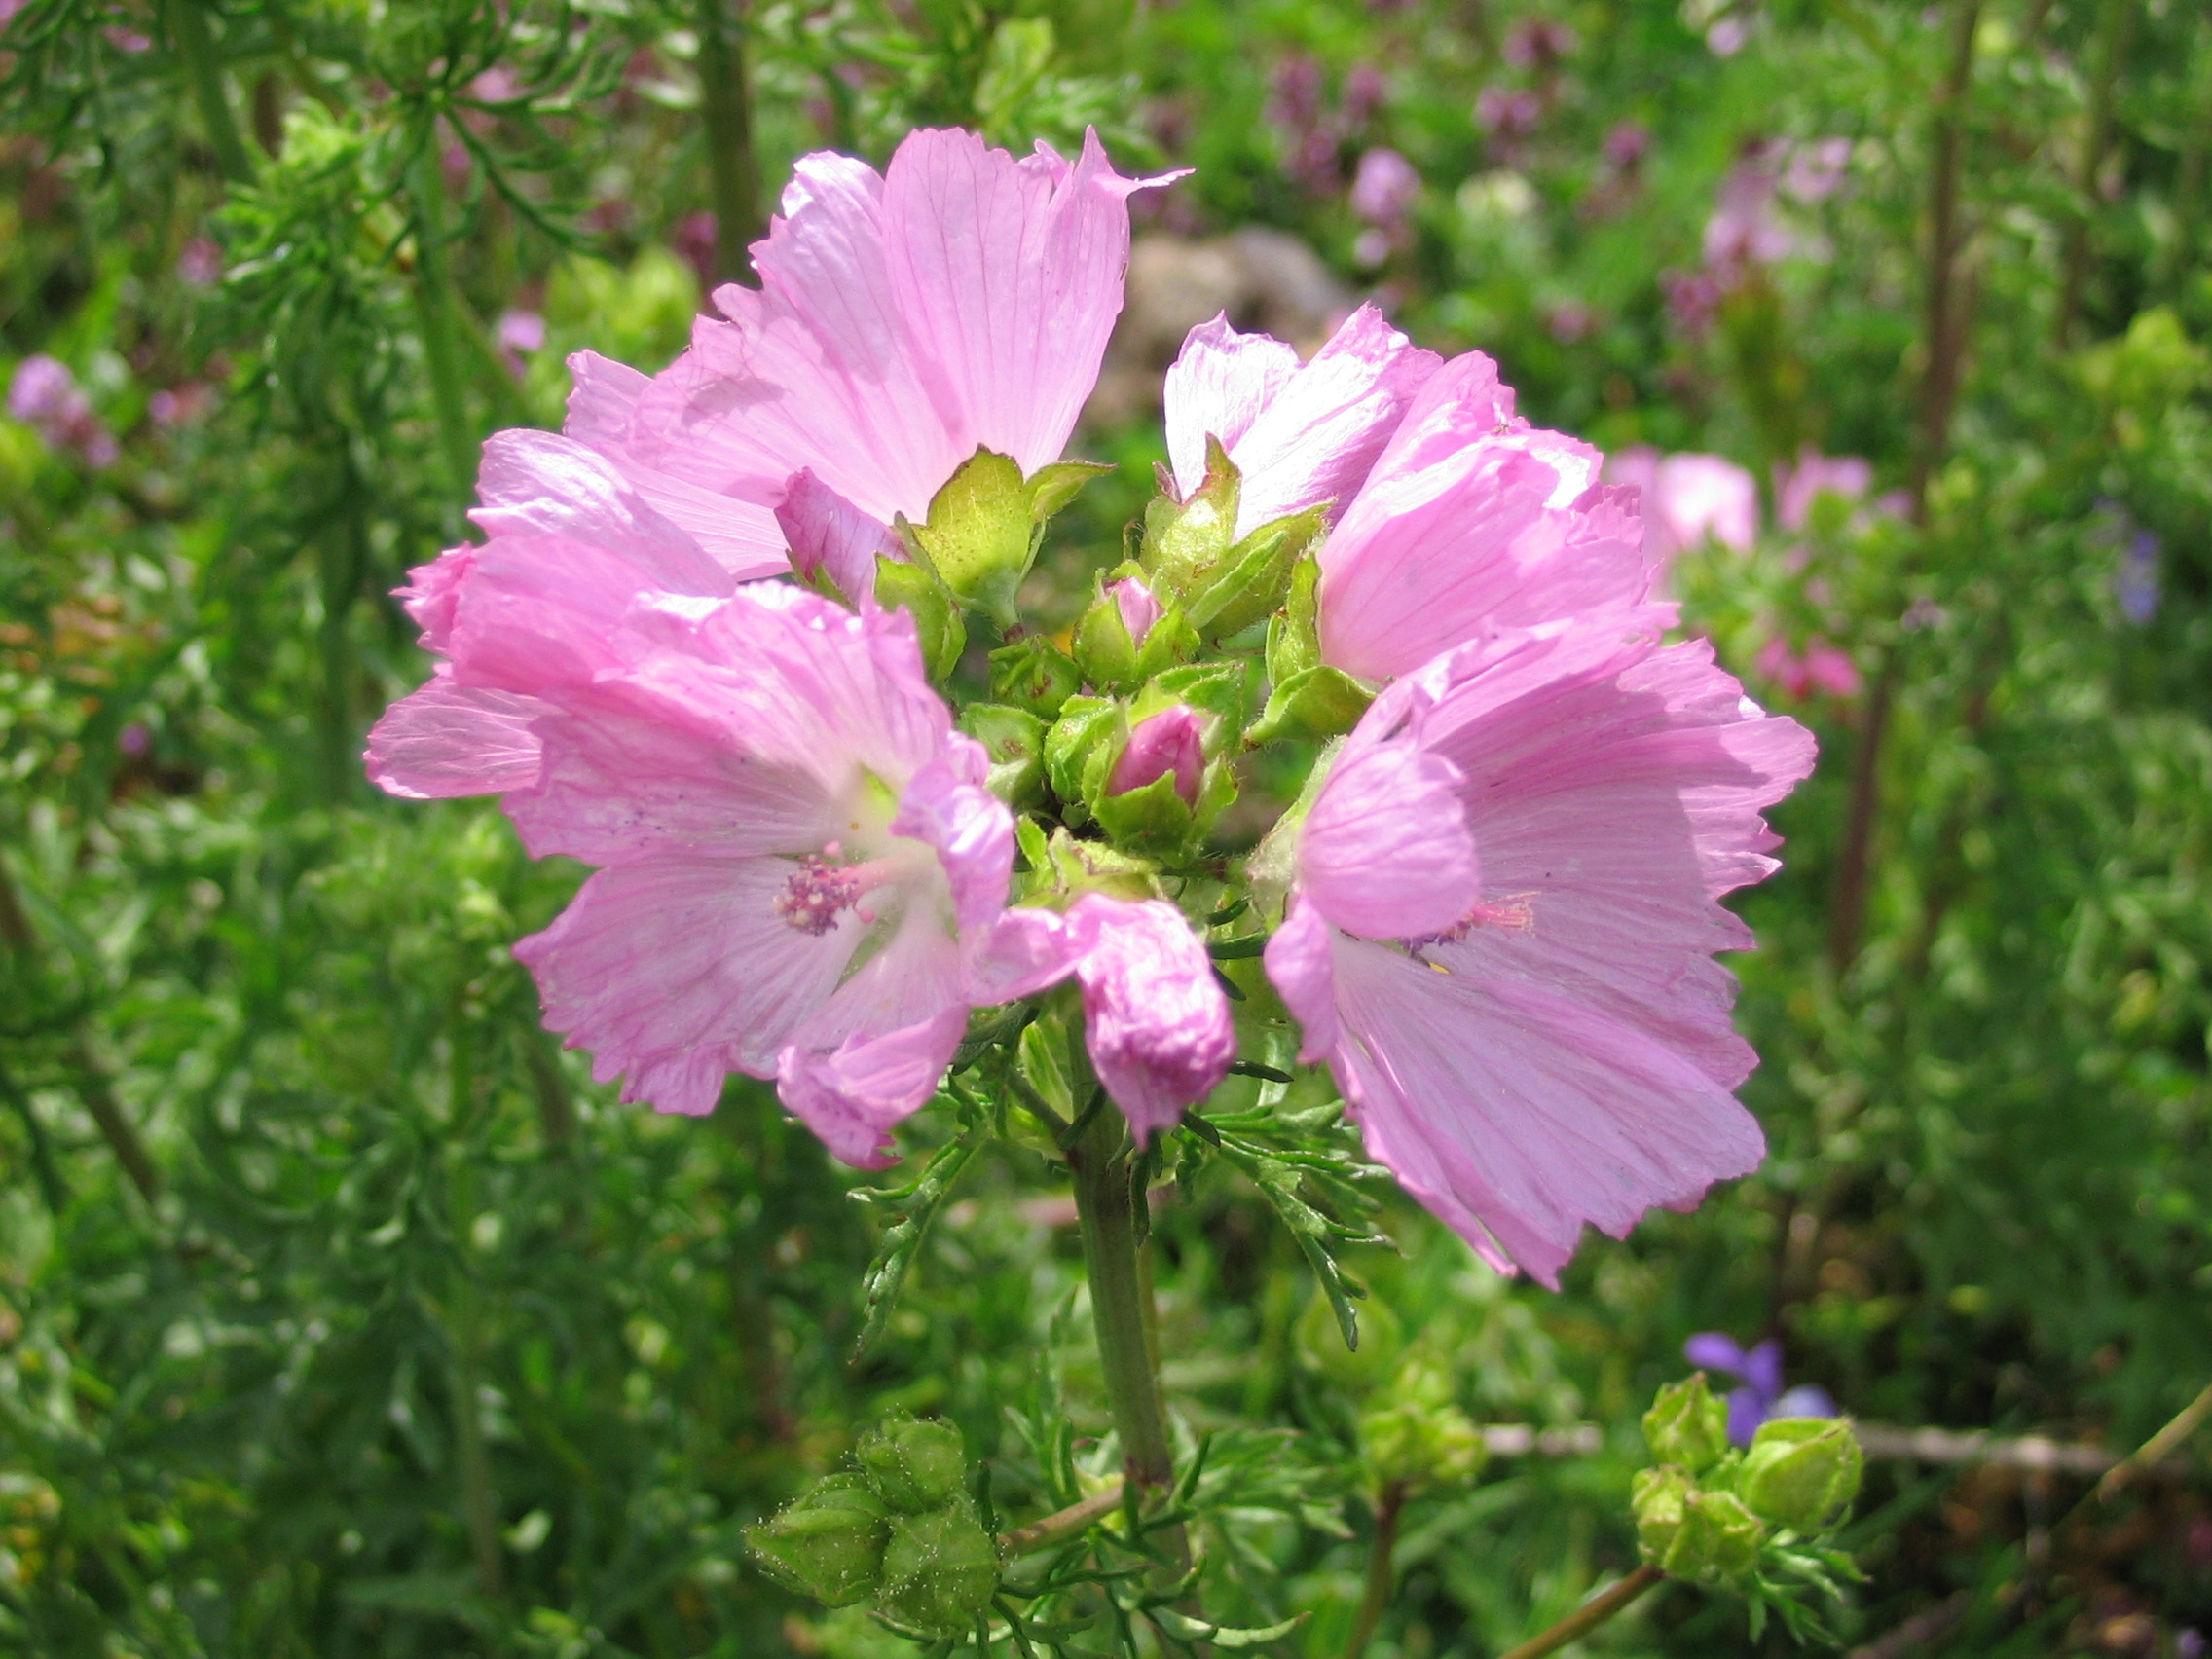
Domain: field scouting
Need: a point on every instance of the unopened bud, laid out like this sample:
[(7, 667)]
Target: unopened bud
[(1693, 1533), (1128, 636), (1802, 1472), (828, 1544), (1135, 605), (1169, 744), (913, 1464), (940, 1570), (1687, 1425), (1415, 1435)]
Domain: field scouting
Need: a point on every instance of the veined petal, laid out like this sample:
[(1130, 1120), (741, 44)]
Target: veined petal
[(947, 807), (1157, 1025), (1024, 951), (829, 535), (443, 740), (853, 1094), (539, 484), (1384, 852), (1300, 967)]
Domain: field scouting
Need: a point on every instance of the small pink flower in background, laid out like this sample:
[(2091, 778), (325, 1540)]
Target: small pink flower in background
[(458, 164), (1158, 1027), (45, 396), (200, 263), (1169, 744), (1384, 189), (1729, 36), (694, 244), (1367, 93), (1571, 320), (181, 405), (126, 40), (1692, 298), (1689, 497), (1820, 667), (134, 740), (1538, 43), (1507, 113), (800, 874), (1847, 476), (960, 299), (497, 85), (1816, 169), (1627, 144), (1524, 1057), (1744, 231), (517, 334)]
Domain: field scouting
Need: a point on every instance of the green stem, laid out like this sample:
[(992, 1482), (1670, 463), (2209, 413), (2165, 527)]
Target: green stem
[(1381, 1570), (434, 318), (725, 98), (1106, 1203), (188, 27), (1590, 1615)]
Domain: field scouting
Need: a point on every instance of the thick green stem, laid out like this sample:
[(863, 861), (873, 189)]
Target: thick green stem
[(434, 318), (1106, 1203), (1381, 1570), (188, 28), (725, 100), (1590, 1615)]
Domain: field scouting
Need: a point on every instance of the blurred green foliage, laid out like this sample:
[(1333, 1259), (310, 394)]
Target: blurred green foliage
[(341, 1314)]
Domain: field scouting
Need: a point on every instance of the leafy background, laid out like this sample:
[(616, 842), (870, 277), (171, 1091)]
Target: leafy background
[(342, 1314)]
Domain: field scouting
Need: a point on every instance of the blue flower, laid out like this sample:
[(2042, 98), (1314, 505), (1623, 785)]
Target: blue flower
[(1762, 1395)]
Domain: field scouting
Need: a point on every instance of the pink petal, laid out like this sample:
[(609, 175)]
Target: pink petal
[(739, 535), (1024, 951), (1157, 1025), (1298, 436), (1301, 966), (443, 741), (1472, 521), (678, 972), (852, 1095), (537, 484), (1384, 852), (829, 535), (1010, 271), (1139, 608), (1169, 744), (970, 827)]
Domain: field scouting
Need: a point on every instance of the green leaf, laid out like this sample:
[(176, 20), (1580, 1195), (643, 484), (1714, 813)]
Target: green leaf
[(1220, 1636), (915, 1206), (981, 535)]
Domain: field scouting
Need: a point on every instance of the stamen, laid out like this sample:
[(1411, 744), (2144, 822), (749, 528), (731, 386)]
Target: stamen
[(819, 892), (1516, 914)]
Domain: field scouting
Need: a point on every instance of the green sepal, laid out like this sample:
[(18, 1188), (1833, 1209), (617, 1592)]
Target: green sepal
[(1034, 674), (827, 1545), (913, 1464), (1255, 576), (1110, 658), (1014, 740), (1053, 486), (1150, 819), (1802, 1472), (1185, 542), (1316, 702), (1092, 866), (914, 589), (1221, 691), (940, 1570), (1294, 638), (1415, 1436), (981, 535), (1687, 1425), (1085, 725)]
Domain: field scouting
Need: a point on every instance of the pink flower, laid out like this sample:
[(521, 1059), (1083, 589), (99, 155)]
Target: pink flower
[(1501, 925), (959, 300), (1820, 668), (1299, 435), (45, 396), (200, 263), (1816, 169), (517, 334), (800, 872), (1384, 188), (1158, 1027), (1508, 113), (1848, 476), (1689, 498), (1169, 744), (1742, 229), (1471, 520)]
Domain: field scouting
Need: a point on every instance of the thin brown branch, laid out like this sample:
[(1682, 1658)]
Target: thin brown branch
[(1062, 1524), (1590, 1615)]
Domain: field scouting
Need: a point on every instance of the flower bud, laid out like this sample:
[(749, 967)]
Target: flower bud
[(913, 1464), (1802, 1472), (940, 1570), (1415, 1435), (1126, 636), (828, 1544), (1687, 1425), (1034, 674), (1701, 1536), (1169, 744)]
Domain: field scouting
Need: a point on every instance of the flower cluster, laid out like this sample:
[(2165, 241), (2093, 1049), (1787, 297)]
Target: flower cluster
[(715, 642)]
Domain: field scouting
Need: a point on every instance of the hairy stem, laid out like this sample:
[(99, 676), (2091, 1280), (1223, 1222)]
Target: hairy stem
[(1381, 1570), (1106, 1205), (1590, 1615), (726, 96), (435, 318), (188, 28), (1945, 344)]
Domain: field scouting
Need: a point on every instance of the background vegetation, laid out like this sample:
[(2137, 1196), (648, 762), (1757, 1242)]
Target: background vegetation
[(340, 1313)]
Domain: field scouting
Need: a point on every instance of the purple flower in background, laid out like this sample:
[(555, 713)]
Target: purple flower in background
[(1742, 229), (1538, 43), (1762, 1395), (1816, 169), (1507, 113), (200, 263), (1726, 37), (1627, 144), (2136, 583), (517, 334), (1365, 90), (45, 397), (1692, 297), (1382, 194)]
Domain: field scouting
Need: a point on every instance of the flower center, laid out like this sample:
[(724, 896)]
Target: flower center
[(1517, 914), (822, 890)]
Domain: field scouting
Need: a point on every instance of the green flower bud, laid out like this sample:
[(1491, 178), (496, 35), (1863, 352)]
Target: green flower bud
[(1802, 1472), (1127, 635), (940, 1570), (1415, 1435), (1034, 674), (1687, 1425), (828, 1544), (913, 589), (983, 525), (1014, 740), (1701, 1536), (913, 1464)]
